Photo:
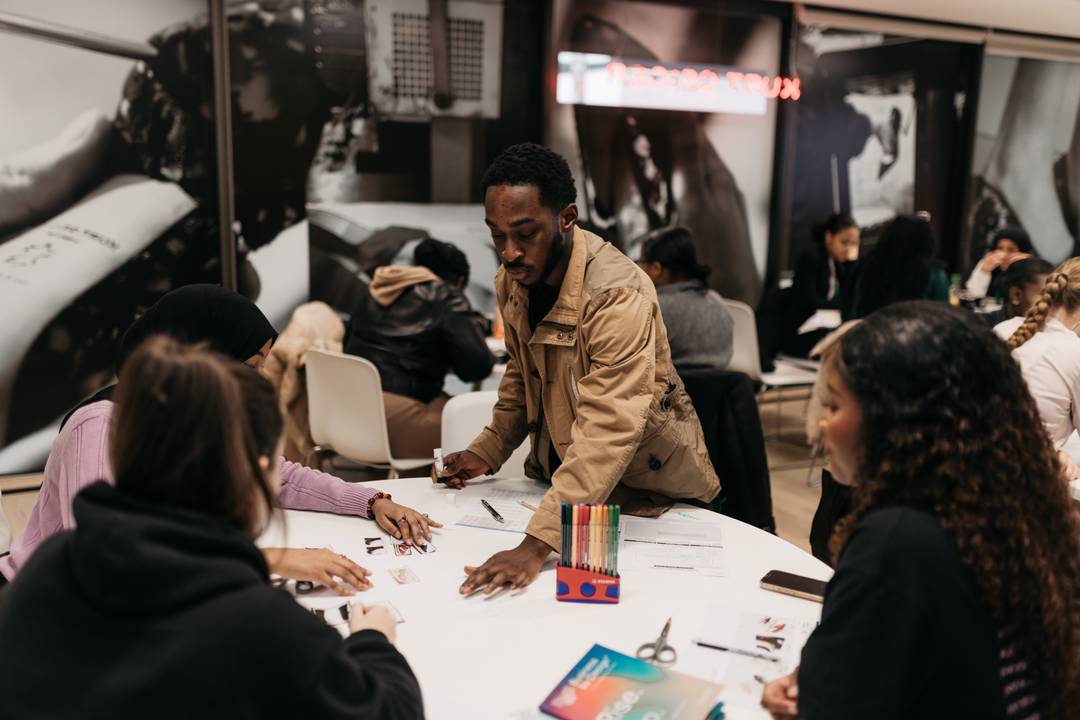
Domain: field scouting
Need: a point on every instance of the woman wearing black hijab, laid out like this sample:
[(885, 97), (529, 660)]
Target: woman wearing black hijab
[(227, 321), (234, 326), (1008, 245)]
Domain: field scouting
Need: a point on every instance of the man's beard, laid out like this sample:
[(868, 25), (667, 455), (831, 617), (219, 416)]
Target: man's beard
[(556, 254), (554, 257)]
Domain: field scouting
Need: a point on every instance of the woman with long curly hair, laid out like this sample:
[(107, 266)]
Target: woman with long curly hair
[(957, 588), (1045, 343)]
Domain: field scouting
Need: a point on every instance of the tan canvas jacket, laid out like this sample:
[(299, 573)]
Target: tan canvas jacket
[(596, 380)]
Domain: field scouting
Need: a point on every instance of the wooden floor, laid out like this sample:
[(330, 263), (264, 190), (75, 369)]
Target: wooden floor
[(793, 501)]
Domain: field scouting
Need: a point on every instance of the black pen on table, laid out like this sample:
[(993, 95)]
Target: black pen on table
[(492, 510), (738, 651)]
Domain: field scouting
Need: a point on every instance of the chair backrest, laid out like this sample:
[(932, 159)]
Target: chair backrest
[(745, 357), (726, 405), (464, 416), (345, 406)]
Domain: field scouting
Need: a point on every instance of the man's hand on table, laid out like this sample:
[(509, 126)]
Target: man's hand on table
[(462, 466), (516, 568), (318, 565), (403, 523)]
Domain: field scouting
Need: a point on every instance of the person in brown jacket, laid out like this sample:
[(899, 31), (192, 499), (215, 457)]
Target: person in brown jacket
[(589, 379)]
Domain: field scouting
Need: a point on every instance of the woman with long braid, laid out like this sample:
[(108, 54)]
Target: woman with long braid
[(1046, 345)]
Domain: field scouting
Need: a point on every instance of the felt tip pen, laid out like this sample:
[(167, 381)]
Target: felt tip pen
[(491, 510), (737, 651)]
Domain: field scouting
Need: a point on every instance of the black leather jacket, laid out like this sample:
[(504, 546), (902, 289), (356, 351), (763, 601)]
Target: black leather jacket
[(430, 330)]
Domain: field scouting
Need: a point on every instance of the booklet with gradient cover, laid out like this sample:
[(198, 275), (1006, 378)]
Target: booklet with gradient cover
[(607, 685)]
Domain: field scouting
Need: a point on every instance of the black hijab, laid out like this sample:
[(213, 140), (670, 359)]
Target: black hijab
[(227, 321)]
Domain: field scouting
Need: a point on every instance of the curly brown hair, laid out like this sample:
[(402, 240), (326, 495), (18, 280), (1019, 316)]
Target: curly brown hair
[(948, 427), (1062, 290)]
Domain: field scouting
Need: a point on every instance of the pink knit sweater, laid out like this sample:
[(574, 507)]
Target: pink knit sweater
[(79, 458)]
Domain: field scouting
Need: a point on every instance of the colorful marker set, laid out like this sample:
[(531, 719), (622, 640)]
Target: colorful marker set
[(588, 570)]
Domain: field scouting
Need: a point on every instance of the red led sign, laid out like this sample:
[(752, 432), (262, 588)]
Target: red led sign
[(704, 80), (612, 81)]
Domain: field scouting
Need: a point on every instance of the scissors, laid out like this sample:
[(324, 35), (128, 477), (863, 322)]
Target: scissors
[(658, 651)]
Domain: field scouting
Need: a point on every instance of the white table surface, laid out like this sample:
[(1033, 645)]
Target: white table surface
[(499, 657)]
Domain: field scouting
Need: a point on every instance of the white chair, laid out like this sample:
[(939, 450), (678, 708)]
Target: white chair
[(464, 416), (746, 359), (346, 414)]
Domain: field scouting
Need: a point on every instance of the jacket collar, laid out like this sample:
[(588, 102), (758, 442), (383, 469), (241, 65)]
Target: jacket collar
[(567, 306)]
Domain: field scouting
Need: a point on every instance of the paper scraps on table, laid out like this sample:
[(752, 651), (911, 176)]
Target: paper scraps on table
[(394, 612), (375, 545), (424, 547), (403, 576)]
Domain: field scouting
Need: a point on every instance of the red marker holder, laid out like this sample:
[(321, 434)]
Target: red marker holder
[(586, 586)]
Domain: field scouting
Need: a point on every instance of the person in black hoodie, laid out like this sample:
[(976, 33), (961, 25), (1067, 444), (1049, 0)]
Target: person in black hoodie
[(415, 325), (158, 604)]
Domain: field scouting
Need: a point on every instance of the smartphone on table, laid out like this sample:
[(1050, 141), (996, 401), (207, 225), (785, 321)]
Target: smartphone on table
[(796, 585)]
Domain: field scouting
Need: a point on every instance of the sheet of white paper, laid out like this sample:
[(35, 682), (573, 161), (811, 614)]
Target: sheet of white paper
[(670, 532), (507, 503), (822, 319), (741, 676), (696, 559)]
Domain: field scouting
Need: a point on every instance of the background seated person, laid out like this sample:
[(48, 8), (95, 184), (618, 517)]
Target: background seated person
[(1007, 246), (1020, 285), (160, 586), (824, 280), (955, 594), (415, 325), (1046, 345), (699, 326), (900, 267), (233, 326)]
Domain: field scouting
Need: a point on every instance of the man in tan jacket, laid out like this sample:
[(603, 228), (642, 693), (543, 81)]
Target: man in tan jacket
[(589, 380)]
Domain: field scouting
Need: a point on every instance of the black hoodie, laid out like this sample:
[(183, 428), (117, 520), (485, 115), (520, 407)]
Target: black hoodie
[(149, 612)]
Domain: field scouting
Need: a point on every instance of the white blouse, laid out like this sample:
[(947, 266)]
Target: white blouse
[(1050, 363)]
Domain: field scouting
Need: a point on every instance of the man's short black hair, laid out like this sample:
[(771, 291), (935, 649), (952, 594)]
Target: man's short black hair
[(443, 259), (532, 164)]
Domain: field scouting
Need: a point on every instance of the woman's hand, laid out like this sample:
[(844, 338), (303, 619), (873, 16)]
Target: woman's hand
[(318, 565), (403, 523), (1071, 471), (992, 260), (779, 697), (375, 617)]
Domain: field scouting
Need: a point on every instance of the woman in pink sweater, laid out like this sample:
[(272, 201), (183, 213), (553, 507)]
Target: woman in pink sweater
[(235, 327)]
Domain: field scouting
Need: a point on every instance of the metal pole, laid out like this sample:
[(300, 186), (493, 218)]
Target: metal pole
[(31, 27), (219, 38)]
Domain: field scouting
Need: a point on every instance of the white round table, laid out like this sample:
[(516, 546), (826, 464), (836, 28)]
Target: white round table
[(500, 657)]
